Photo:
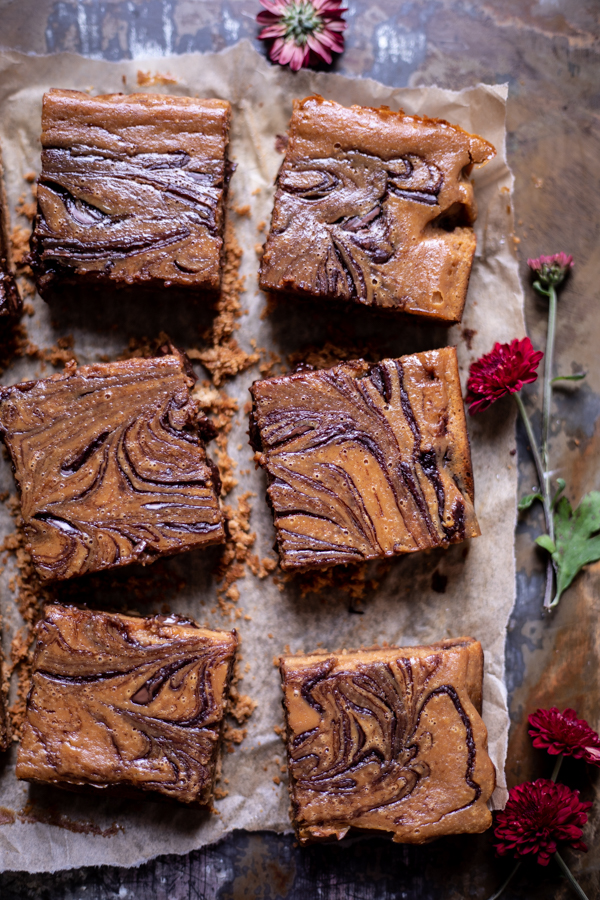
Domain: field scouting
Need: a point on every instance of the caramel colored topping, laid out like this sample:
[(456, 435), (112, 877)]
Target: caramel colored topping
[(366, 461), (111, 465), (388, 739), (117, 700), (131, 189), (375, 207)]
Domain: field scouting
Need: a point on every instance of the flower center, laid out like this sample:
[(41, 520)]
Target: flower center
[(301, 20)]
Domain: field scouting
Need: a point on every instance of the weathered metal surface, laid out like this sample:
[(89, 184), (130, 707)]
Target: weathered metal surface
[(549, 52)]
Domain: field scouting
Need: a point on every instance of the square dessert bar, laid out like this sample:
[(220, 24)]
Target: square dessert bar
[(111, 466), (132, 191), (126, 702), (388, 739), (10, 298), (365, 461), (375, 207)]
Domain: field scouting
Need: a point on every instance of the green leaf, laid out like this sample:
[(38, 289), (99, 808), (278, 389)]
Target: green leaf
[(577, 539), (527, 501), (546, 542), (579, 376)]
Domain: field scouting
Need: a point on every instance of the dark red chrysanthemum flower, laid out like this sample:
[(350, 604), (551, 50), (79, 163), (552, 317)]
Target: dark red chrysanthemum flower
[(302, 31), (551, 269), (540, 814), (563, 733), (502, 371)]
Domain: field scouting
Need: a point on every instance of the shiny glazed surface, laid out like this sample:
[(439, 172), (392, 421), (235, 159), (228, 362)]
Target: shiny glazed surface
[(388, 739), (375, 207), (366, 460), (126, 701), (111, 465), (131, 190)]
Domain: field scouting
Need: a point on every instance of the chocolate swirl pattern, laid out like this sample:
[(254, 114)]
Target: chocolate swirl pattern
[(366, 461), (131, 188), (388, 739), (128, 702), (111, 465), (374, 207)]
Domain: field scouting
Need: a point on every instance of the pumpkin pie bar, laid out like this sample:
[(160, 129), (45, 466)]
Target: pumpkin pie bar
[(111, 465), (374, 207), (119, 702), (365, 461), (388, 740), (131, 191)]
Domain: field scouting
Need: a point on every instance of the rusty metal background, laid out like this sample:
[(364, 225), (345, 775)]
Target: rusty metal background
[(549, 53)]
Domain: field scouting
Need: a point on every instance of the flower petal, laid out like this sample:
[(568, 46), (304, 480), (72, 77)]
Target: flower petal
[(317, 46), (272, 31)]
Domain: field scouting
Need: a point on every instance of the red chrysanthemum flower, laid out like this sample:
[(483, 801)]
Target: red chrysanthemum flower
[(551, 269), (502, 371), (302, 31), (563, 733), (538, 815)]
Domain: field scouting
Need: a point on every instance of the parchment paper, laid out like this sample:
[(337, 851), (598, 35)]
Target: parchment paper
[(404, 609)]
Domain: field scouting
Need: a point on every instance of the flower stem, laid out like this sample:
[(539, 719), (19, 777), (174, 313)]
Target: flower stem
[(556, 768), (548, 367), (576, 887), (544, 488), (536, 456), (505, 884)]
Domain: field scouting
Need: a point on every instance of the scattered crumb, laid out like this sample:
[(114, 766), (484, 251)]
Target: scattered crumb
[(147, 79), (225, 358), (468, 335), (281, 142), (243, 210), (222, 409), (27, 207), (261, 226), (259, 249), (276, 779), (220, 793), (234, 735), (232, 565), (268, 368)]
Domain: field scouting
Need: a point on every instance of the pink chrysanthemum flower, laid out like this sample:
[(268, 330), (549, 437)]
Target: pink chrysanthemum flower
[(562, 733), (540, 814), (551, 270), (302, 30), (504, 370)]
